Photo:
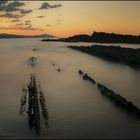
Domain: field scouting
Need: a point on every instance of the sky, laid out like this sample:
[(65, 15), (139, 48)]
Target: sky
[(68, 18)]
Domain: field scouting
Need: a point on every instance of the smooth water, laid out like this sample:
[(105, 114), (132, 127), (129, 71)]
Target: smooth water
[(76, 108)]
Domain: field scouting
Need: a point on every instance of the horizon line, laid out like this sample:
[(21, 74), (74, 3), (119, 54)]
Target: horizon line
[(71, 35)]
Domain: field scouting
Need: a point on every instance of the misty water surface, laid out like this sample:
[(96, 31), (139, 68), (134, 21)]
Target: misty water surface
[(75, 107)]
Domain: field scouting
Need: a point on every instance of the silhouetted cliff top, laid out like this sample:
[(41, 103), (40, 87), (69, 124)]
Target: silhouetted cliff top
[(100, 37), (82, 37), (103, 37)]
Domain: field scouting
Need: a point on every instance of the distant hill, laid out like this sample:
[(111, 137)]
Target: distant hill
[(23, 36)]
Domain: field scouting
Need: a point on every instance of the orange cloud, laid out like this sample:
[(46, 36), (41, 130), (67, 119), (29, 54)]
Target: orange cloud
[(20, 28)]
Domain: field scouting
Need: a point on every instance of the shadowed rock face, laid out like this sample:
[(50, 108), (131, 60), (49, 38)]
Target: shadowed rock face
[(36, 101)]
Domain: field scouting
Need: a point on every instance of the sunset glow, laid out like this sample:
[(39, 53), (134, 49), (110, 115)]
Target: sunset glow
[(67, 18)]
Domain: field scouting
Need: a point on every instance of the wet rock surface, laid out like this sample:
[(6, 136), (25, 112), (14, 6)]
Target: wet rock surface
[(115, 98), (33, 105), (34, 99), (43, 106), (58, 70), (119, 100), (86, 77), (32, 61)]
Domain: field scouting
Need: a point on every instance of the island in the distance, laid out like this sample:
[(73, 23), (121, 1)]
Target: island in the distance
[(3, 35), (100, 37)]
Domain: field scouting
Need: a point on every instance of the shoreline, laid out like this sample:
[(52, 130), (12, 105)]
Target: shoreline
[(60, 40)]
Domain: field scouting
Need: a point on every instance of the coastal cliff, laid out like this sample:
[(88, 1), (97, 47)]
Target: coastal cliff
[(100, 37)]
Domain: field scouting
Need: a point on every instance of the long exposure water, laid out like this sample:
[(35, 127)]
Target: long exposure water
[(76, 108)]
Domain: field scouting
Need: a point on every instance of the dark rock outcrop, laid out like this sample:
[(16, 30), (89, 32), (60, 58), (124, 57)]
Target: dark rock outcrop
[(32, 61), (114, 98), (102, 37), (33, 105), (79, 38), (119, 100), (34, 99), (58, 70), (86, 77), (127, 56)]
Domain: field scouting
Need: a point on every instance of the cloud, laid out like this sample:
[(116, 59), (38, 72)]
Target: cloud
[(48, 25), (3, 2), (16, 20), (11, 7), (20, 28), (23, 24), (46, 5), (25, 11), (27, 21), (29, 26), (10, 15), (17, 4), (58, 20), (40, 16), (19, 24)]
